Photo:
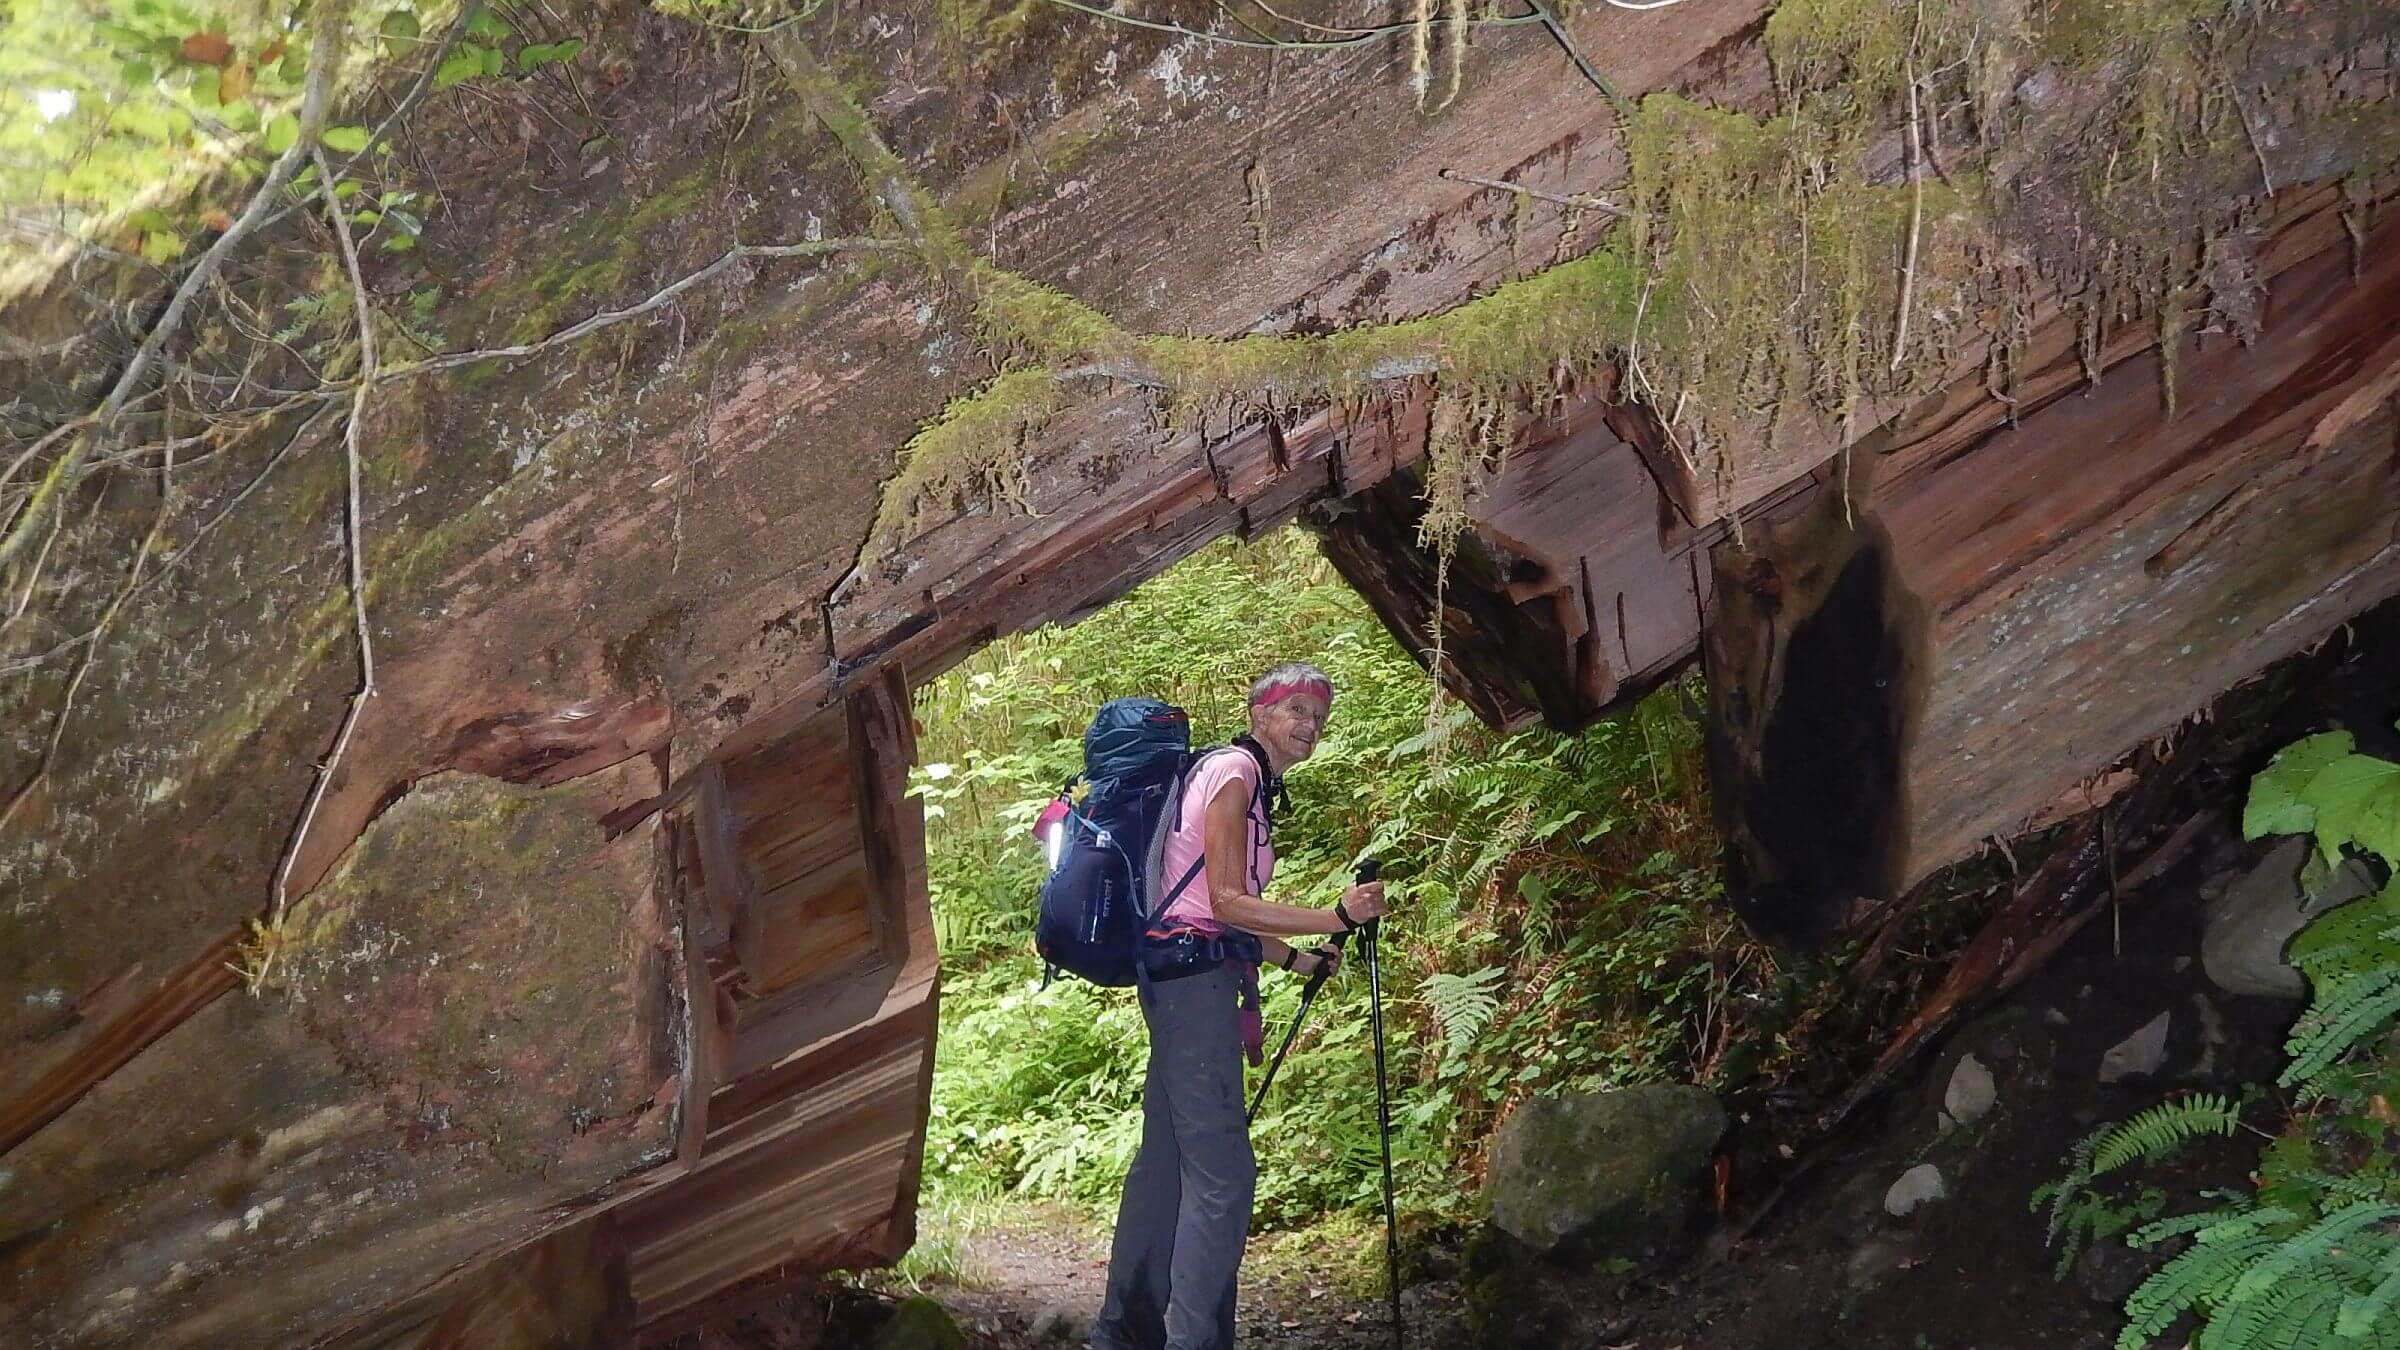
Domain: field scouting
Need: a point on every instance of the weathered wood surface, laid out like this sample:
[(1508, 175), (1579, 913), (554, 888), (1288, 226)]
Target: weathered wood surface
[(1890, 694), (655, 522), (633, 554), (1577, 587), (378, 1119)]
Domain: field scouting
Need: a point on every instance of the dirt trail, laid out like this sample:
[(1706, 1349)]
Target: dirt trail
[(1034, 1278)]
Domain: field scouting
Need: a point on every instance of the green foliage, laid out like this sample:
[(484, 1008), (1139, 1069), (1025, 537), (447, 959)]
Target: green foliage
[(2164, 1128), (1558, 924), (130, 123), (2081, 1217), (2312, 1257)]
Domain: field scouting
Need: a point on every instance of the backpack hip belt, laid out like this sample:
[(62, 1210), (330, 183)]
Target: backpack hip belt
[(1182, 951)]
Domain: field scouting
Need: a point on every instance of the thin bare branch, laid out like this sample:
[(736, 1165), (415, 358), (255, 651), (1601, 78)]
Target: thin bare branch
[(1577, 200), (332, 23), (657, 301), (357, 550), (23, 792)]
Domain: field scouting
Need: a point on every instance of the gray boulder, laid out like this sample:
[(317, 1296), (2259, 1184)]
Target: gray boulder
[(920, 1324), (2241, 946), (1618, 1173)]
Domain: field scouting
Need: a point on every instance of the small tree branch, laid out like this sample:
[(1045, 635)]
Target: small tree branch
[(1577, 200), (357, 550), (332, 21), (657, 301), (83, 668), (1558, 32), (407, 104)]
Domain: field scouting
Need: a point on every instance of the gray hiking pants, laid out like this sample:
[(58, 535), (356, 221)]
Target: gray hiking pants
[(1186, 1209)]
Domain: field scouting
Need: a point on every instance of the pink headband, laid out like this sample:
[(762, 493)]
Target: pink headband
[(1282, 689)]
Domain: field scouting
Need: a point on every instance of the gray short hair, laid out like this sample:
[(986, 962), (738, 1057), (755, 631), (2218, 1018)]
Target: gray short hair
[(1290, 672)]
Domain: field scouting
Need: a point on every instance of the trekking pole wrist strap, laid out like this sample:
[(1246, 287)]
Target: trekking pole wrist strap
[(1291, 959), (1340, 911)]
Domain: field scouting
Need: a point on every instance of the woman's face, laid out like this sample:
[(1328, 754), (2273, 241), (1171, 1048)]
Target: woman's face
[(1288, 728)]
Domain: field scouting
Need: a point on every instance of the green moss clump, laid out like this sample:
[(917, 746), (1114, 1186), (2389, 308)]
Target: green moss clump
[(975, 445), (1761, 271)]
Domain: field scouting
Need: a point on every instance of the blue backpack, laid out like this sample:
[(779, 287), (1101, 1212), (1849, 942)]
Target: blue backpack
[(1105, 850)]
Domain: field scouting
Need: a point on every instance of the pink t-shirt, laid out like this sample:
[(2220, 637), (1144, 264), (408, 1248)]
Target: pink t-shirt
[(1186, 846)]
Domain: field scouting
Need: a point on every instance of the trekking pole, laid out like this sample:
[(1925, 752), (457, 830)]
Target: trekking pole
[(1308, 995), (1383, 1122)]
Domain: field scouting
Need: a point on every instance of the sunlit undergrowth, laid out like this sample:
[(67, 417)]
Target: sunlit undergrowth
[(1558, 926)]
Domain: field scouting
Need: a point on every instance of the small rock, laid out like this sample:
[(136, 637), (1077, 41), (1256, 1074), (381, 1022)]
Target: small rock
[(2054, 1017), (1919, 1185), (1880, 1257), (2109, 1272), (1971, 1092), (2182, 964), (2138, 1055), (1059, 1324)]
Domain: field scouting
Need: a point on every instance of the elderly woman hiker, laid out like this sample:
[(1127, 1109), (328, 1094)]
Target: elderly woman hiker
[(1186, 1209)]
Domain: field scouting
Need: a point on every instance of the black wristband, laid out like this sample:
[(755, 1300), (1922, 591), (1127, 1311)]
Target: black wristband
[(1349, 925), (1290, 959)]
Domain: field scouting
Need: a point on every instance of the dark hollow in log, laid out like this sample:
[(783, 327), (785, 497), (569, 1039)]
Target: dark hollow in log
[(1813, 688)]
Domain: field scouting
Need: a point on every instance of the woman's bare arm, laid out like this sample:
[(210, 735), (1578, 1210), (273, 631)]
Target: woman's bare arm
[(1225, 842)]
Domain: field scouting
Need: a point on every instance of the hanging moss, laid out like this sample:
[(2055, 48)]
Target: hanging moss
[(1761, 272)]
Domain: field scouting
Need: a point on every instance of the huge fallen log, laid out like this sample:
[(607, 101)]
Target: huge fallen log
[(2002, 598)]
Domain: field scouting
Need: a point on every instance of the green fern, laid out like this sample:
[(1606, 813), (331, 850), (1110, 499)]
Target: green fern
[(2183, 1283), (2361, 1313), (2162, 1129), (1463, 1004), (2345, 1015)]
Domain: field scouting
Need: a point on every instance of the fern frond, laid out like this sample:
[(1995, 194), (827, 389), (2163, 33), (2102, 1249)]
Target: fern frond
[(2296, 1316), (2346, 1013), (1463, 1004), (2181, 1284), (2062, 1193), (2308, 1247), (2361, 1313), (2164, 1128)]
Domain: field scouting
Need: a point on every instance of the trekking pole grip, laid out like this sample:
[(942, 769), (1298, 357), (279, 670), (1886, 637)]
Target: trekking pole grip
[(1367, 872)]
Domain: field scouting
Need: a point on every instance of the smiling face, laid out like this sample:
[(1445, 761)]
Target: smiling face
[(1289, 727)]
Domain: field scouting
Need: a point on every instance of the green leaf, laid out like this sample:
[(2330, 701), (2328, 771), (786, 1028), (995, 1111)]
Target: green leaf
[(464, 63), (538, 54), (2357, 801), (345, 140), (489, 26), (399, 243), (282, 131), (2275, 805), (345, 189), (161, 246), (137, 74), (400, 26)]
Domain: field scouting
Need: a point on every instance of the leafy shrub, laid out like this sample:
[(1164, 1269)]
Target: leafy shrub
[(2312, 1257), (1558, 923)]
